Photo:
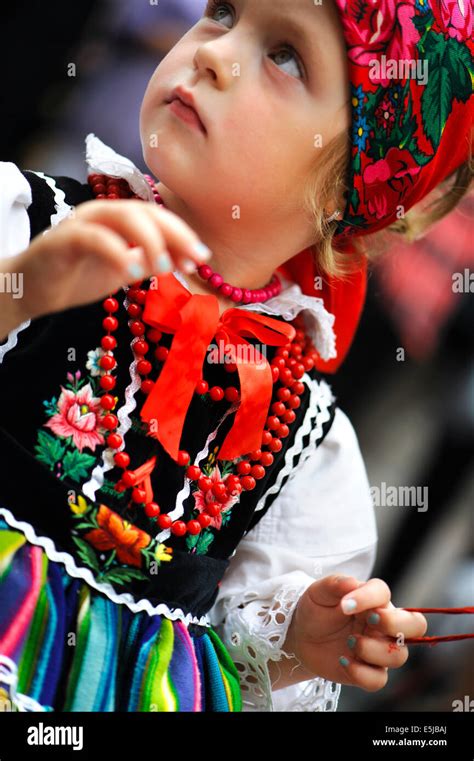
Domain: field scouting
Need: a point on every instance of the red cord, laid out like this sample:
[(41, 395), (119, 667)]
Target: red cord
[(447, 638)]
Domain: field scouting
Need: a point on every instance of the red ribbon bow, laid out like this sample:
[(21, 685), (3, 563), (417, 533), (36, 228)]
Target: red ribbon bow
[(194, 320)]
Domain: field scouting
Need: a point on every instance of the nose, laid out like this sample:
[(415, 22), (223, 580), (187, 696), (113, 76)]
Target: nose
[(217, 59)]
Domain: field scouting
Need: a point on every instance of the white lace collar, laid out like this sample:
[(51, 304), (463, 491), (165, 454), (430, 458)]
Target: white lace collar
[(101, 159)]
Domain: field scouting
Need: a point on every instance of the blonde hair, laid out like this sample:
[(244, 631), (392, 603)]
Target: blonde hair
[(329, 181)]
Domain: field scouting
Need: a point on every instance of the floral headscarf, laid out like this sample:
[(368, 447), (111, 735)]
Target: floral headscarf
[(411, 69)]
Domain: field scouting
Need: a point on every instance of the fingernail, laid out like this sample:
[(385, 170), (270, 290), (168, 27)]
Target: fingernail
[(373, 619), (343, 661), (189, 266), (202, 251), (348, 606), (163, 262), (136, 270), (351, 641)]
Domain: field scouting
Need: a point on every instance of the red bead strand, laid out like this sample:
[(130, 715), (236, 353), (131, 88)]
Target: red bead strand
[(288, 367)]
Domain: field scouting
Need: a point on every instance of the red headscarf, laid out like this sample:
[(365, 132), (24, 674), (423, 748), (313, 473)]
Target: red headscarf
[(411, 69)]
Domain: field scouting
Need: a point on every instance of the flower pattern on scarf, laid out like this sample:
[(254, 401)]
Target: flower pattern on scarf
[(411, 63)]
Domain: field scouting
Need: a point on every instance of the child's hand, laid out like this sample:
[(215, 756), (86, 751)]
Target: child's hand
[(351, 643), (88, 256)]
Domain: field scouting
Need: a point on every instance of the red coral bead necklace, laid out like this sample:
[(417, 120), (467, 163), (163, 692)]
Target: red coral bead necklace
[(288, 366)]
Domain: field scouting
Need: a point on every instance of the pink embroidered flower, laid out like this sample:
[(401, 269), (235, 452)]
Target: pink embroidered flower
[(385, 115), (454, 17), (382, 27), (78, 416), (202, 499), (387, 181)]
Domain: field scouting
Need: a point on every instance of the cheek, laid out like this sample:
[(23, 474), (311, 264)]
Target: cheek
[(161, 82)]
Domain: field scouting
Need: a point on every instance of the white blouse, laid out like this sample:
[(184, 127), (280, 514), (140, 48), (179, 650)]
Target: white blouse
[(321, 522)]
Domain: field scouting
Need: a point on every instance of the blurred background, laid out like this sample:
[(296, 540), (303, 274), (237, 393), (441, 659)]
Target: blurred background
[(408, 383)]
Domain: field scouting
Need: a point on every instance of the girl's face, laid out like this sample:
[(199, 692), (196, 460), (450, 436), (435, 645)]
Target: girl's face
[(270, 83)]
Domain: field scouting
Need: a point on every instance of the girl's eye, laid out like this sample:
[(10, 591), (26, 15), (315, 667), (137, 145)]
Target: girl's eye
[(289, 50), (214, 6)]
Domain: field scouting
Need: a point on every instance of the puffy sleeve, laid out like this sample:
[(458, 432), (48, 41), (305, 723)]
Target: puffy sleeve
[(322, 522), (15, 199), (31, 203)]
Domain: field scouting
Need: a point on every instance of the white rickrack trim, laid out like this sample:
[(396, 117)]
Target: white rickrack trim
[(12, 339), (254, 633), (97, 477), (63, 209), (185, 491), (9, 677), (322, 397), (84, 573)]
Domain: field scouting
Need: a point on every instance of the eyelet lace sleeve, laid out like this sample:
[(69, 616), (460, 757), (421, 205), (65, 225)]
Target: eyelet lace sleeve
[(322, 522), (255, 632)]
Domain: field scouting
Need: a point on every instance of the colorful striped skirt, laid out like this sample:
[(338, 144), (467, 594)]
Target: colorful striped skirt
[(66, 647)]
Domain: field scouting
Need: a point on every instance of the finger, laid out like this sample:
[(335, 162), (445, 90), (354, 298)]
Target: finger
[(396, 621), (329, 590), (130, 220), (88, 239), (181, 240), (380, 651), (370, 678), (374, 593)]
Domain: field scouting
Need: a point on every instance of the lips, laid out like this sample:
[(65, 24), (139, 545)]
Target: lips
[(189, 112)]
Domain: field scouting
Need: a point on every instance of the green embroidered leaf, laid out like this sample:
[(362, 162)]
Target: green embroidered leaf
[(357, 163), (434, 48), (422, 22), (354, 198), (86, 553), (420, 157), (76, 464), (122, 575), (48, 449), (108, 489), (371, 102), (51, 407), (205, 540), (226, 517), (436, 104), (460, 65), (191, 541), (85, 526), (226, 467)]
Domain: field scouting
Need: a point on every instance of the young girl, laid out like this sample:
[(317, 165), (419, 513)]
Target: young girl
[(182, 503)]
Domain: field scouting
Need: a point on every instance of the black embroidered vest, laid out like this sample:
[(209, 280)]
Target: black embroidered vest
[(47, 458)]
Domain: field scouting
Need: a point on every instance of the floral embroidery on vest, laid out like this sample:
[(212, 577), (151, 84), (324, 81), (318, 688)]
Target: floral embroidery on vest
[(114, 549), (75, 421), (200, 543)]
